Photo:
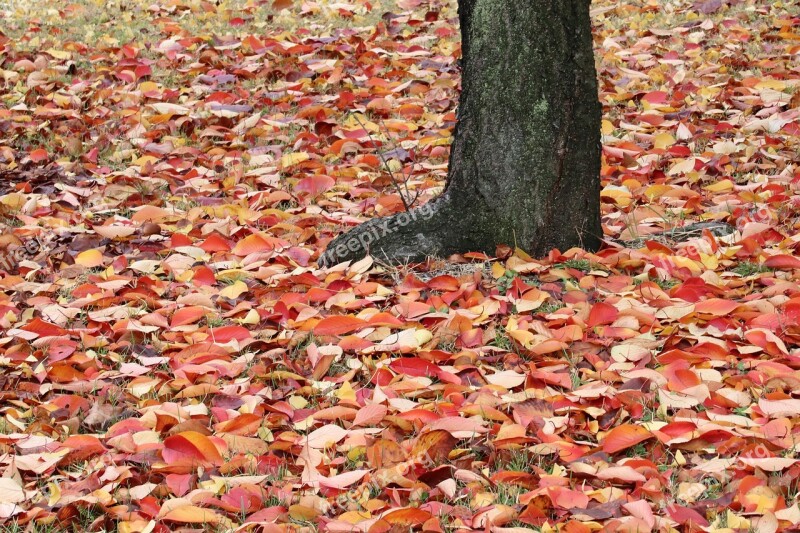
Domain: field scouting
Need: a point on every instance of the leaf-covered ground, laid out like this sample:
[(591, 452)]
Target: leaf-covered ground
[(173, 359)]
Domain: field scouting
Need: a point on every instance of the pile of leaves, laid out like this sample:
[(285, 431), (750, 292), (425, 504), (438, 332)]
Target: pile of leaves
[(173, 359)]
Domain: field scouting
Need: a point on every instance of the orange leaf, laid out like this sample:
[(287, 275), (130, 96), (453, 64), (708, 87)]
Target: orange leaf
[(767, 341), (408, 517), (246, 424), (89, 258), (43, 329), (715, 307), (624, 436), (191, 446), (444, 283), (149, 213), (38, 155), (339, 325), (187, 315), (252, 244), (191, 514), (226, 333), (215, 243)]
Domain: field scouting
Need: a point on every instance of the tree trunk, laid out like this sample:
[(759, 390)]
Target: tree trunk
[(525, 160)]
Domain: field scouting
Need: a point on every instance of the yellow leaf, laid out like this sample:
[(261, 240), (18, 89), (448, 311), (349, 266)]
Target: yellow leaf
[(13, 200), (234, 290), (89, 258), (354, 517), (58, 54), (498, 271), (290, 160), (346, 392), (395, 165), (142, 161), (663, 141), (763, 497), (55, 493), (776, 85), (251, 318), (685, 262), (655, 191), (422, 336), (720, 186), (357, 121), (607, 128), (682, 167), (302, 512), (147, 86), (709, 261), (298, 402)]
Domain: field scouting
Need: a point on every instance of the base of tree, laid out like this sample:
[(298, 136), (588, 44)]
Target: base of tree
[(436, 229)]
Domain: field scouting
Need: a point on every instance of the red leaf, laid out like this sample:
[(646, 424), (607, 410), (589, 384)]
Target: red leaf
[(226, 333), (782, 262), (602, 313), (682, 515), (415, 367), (655, 97), (315, 185)]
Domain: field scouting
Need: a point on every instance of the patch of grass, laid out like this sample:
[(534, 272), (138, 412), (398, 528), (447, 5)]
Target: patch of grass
[(31, 527), (549, 307), (502, 341), (185, 204), (714, 489), (273, 501), (518, 461), (354, 460), (584, 265), (506, 494), (216, 321), (575, 378), (505, 281), (651, 413), (299, 349), (746, 269), (640, 450)]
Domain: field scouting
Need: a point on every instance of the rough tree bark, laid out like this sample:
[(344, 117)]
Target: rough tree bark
[(525, 160)]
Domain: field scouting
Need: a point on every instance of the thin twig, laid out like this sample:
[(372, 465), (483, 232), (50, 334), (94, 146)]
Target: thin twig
[(406, 179), (385, 164)]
